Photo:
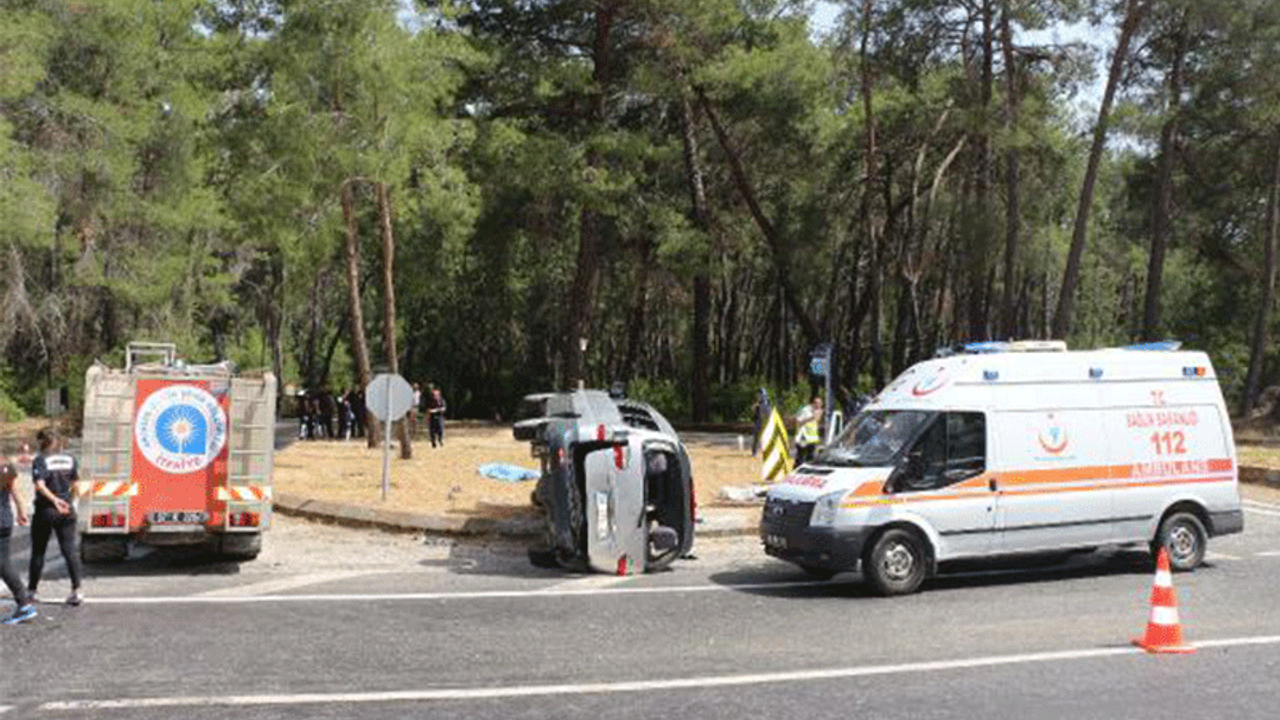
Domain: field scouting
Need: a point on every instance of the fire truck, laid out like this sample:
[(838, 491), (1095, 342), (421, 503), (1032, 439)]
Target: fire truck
[(174, 454)]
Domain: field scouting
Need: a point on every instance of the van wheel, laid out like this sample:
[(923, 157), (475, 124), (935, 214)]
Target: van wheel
[(1183, 535), (896, 563)]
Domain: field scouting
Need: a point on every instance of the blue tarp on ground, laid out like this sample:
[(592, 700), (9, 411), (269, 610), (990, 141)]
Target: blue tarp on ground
[(507, 472)]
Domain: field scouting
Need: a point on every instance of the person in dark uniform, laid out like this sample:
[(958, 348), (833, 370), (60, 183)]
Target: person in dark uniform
[(54, 475), (435, 416), (11, 508)]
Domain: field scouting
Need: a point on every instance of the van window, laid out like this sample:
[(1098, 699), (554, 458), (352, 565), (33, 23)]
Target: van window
[(953, 448), (874, 438)]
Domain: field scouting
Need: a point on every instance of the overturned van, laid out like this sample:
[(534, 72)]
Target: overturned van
[(616, 488), (1016, 448)]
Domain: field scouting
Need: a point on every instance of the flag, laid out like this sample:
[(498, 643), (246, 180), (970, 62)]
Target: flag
[(774, 444)]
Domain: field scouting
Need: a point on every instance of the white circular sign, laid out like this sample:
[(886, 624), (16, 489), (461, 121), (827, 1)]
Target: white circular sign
[(180, 428)]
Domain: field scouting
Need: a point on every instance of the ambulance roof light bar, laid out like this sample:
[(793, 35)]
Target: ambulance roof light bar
[(987, 348), (1162, 346)]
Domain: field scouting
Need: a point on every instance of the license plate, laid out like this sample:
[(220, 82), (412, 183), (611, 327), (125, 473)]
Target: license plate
[(178, 517)]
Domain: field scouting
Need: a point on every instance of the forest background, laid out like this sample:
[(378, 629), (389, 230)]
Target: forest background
[(506, 197)]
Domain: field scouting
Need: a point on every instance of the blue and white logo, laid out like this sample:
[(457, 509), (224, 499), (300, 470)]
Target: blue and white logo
[(181, 428)]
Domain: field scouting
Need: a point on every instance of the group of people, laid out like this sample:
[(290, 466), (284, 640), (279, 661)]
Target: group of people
[(53, 476), (319, 411)]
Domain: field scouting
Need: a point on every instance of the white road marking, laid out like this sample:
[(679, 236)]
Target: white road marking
[(630, 686), (1219, 556), (1269, 553), (479, 595), (589, 582), (1259, 508), (5, 708), (275, 586)]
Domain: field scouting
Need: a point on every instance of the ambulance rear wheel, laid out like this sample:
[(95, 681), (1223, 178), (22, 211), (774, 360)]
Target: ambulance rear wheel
[(896, 563), (103, 549), (1184, 536)]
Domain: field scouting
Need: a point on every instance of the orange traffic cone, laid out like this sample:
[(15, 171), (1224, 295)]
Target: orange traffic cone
[(1164, 633)]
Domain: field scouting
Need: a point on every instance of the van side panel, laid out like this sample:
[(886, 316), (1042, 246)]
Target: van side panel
[(1166, 454), (1054, 479)]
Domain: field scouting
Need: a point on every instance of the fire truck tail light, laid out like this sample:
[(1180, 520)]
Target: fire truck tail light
[(245, 519), (107, 520)]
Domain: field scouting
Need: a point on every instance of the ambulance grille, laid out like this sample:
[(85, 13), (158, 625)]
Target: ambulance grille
[(787, 514)]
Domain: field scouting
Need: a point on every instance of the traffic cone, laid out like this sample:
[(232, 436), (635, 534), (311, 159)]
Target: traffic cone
[(1164, 633)]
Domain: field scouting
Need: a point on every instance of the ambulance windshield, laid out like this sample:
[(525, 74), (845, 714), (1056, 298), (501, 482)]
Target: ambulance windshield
[(875, 438)]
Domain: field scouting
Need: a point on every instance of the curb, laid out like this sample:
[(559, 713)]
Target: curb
[(711, 522)]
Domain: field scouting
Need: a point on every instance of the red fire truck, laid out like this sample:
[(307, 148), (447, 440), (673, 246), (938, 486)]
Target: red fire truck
[(175, 454)]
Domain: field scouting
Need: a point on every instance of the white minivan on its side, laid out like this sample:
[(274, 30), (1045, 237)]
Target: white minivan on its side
[(1010, 448)]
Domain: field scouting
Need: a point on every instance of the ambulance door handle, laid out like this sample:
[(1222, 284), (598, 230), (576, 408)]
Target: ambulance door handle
[(993, 485)]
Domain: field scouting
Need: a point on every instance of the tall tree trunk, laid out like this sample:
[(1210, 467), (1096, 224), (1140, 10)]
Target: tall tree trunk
[(360, 345), (1270, 239), (1161, 220), (872, 227), (979, 232), (389, 304), (701, 278), (777, 247), (1012, 208), (1063, 318), (586, 272)]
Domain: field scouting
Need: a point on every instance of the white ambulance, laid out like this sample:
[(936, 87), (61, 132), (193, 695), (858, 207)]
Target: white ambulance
[(1008, 448)]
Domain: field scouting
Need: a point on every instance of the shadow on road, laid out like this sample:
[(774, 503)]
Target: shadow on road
[(1017, 570), (144, 561)]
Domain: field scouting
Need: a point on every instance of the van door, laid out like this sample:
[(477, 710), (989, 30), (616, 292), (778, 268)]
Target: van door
[(941, 479), (1054, 480), (614, 488)]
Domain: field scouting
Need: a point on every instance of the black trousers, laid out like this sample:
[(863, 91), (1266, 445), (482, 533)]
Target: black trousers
[(47, 521), (6, 569)]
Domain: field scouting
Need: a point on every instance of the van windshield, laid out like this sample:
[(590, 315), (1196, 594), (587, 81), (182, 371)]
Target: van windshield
[(875, 438)]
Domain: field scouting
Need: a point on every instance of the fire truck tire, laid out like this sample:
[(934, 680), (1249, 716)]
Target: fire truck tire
[(103, 549), (239, 546)]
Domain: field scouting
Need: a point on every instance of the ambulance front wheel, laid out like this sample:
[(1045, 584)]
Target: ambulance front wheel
[(1184, 536), (896, 563)]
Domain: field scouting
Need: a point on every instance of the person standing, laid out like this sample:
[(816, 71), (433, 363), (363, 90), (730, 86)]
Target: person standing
[(54, 475), (435, 416), (10, 509), (809, 423)]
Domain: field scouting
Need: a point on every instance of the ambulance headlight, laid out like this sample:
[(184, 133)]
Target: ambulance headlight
[(824, 511)]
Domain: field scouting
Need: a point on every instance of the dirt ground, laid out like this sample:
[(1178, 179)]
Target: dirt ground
[(445, 480)]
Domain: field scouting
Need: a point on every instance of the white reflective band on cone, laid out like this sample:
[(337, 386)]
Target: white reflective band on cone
[(1164, 615)]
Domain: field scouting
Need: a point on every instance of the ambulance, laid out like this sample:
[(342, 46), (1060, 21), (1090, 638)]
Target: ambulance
[(1012, 448), (174, 454)]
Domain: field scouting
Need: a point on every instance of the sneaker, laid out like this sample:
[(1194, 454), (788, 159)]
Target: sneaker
[(75, 598), (35, 597), (23, 614)]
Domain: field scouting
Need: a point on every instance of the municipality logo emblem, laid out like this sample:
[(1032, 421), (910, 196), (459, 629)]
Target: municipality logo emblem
[(181, 428)]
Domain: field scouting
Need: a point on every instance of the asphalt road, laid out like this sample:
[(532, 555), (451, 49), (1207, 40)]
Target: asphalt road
[(338, 623)]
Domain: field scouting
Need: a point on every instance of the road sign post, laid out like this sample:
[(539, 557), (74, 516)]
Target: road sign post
[(388, 397)]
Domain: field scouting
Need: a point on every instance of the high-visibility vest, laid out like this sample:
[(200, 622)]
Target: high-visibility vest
[(808, 433)]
